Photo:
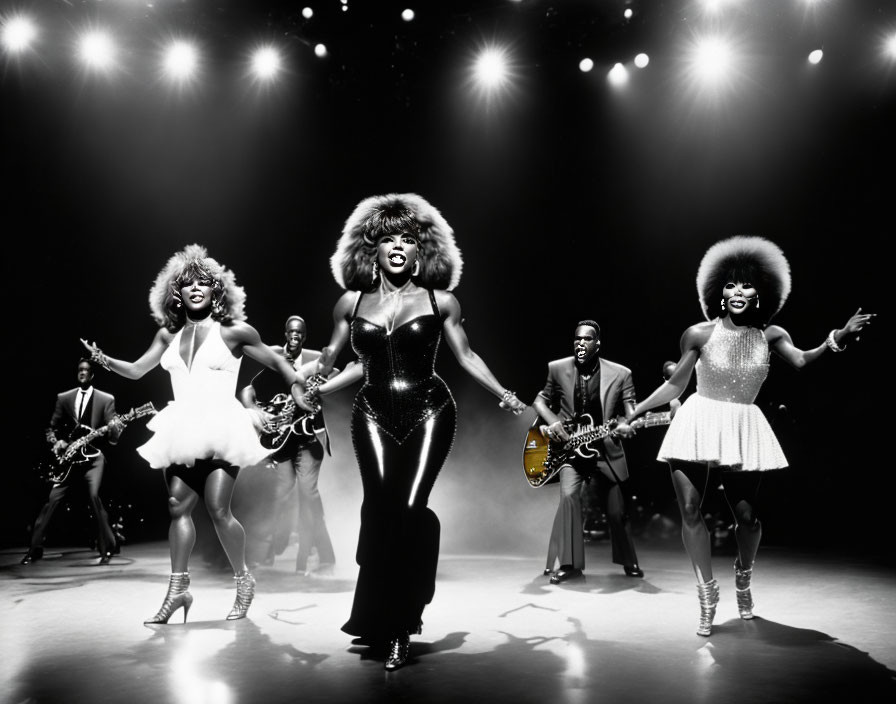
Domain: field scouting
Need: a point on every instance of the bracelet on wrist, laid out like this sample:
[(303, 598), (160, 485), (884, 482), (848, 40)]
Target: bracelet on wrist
[(831, 342)]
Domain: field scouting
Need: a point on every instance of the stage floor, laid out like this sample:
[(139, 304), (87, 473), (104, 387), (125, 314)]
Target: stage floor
[(497, 631)]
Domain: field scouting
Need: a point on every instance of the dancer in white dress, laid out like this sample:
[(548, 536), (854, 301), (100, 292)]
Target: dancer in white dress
[(202, 437), (719, 428)]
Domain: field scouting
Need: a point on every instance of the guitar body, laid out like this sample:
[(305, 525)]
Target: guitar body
[(287, 430), (57, 468), (543, 458)]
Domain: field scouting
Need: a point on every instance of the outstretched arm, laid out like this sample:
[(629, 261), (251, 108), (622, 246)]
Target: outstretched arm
[(245, 337), (342, 313), (470, 361), (132, 370), (780, 341), (691, 342)]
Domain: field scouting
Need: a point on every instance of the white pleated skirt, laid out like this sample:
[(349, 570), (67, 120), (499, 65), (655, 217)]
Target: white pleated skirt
[(734, 435)]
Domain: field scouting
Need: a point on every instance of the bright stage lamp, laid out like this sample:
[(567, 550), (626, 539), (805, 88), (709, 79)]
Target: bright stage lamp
[(18, 33), (181, 61), (97, 50), (491, 68), (266, 63)]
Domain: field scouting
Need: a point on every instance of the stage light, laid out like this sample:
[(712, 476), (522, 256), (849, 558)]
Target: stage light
[(97, 50), (585, 65), (491, 68), (641, 60), (618, 75), (407, 15), (711, 59), (181, 61), (320, 50), (815, 56), (307, 13), (891, 47), (628, 13), (266, 63), (18, 33)]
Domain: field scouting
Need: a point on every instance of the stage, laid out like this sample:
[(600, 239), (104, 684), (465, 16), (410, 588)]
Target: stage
[(497, 631)]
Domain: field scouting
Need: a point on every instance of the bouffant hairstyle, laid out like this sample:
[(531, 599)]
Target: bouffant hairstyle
[(748, 259), (193, 263), (437, 252)]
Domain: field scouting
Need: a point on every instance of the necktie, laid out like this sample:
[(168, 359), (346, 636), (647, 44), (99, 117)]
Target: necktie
[(81, 404)]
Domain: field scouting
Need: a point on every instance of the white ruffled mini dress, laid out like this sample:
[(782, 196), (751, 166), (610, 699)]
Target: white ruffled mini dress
[(205, 420), (720, 424)]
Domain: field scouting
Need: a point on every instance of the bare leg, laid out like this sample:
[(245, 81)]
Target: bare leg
[(218, 492), (741, 490), (690, 480), (181, 533)]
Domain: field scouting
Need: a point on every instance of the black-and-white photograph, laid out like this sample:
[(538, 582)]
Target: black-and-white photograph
[(509, 351)]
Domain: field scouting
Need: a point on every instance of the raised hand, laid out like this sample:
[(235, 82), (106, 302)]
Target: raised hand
[(858, 321)]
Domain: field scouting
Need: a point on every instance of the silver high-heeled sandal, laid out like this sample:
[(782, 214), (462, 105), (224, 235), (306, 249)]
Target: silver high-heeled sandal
[(708, 593), (398, 652), (178, 595), (742, 579), (245, 592)]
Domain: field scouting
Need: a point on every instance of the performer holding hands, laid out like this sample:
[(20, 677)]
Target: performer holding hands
[(204, 435)]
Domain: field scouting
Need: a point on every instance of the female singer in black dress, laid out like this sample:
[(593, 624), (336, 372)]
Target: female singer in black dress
[(398, 259)]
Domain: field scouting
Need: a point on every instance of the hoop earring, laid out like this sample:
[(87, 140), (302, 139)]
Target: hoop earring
[(376, 270), (415, 270), (218, 306), (723, 304), (757, 301)]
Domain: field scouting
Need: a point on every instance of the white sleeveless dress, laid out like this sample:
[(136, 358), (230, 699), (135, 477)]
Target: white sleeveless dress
[(205, 420), (720, 424)]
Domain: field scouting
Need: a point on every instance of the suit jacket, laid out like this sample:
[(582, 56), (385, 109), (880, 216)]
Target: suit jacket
[(99, 412), (615, 387)]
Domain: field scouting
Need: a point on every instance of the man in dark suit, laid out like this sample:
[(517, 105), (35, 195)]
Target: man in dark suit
[(77, 412), (296, 474), (585, 383)]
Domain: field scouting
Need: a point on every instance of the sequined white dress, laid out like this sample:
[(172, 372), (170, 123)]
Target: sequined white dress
[(720, 424), (205, 420)]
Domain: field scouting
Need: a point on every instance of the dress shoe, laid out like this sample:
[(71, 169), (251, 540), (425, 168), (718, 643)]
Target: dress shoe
[(633, 571), (565, 574), (547, 571), (105, 558), (32, 556)]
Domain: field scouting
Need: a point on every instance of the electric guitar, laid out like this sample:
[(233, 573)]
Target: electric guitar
[(288, 425), (57, 468), (542, 458)]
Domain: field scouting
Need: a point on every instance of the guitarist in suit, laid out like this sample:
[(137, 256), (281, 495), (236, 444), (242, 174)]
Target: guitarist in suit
[(82, 406), (585, 383), (298, 465)]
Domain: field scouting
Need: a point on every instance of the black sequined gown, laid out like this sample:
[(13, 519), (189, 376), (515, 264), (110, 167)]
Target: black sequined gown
[(403, 425)]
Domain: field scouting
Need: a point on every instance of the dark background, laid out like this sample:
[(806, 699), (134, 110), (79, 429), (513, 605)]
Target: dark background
[(569, 199)]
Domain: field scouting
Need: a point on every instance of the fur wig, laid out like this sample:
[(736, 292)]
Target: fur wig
[(193, 262), (438, 253), (748, 259)]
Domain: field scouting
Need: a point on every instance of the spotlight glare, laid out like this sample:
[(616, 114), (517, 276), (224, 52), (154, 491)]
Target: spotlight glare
[(628, 13), (307, 13), (18, 33), (181, 60), (618, 75), (266, 62), (712, 58), (891, 46), (97, 50), (641, 60), (815, 56), (585, 65), (320, 50), (491, 68), (407, 15)]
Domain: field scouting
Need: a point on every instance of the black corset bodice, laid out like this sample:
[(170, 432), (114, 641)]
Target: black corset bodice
[(401, 388)]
